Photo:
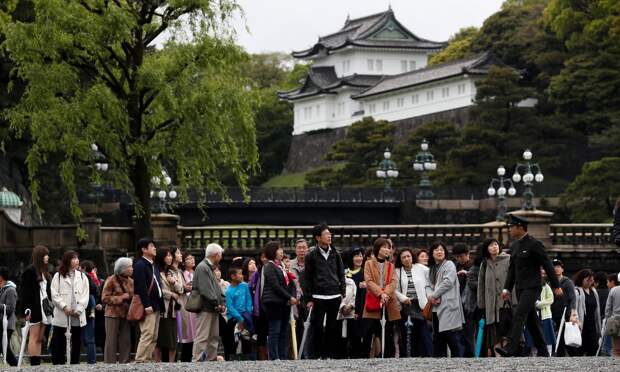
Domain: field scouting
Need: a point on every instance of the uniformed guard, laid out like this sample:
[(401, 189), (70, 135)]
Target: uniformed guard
[(527, 257)]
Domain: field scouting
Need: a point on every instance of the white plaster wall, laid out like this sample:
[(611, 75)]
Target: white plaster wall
[(331, 116), (357, 61), (424, 105)]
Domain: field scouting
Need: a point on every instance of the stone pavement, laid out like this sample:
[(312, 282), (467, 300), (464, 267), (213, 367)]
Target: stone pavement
[(376, 365)]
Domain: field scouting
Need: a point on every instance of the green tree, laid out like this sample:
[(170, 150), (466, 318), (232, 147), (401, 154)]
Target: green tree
[(585, 92), (95, 77), (360, 151), (591, 196), (459, 46)]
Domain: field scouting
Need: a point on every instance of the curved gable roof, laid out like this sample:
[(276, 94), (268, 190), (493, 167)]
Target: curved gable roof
[(360, 32)]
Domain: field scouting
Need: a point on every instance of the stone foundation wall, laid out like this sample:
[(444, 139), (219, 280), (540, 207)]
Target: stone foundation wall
[(308, 150)]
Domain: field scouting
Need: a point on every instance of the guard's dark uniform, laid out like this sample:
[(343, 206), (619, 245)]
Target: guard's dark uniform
[(528, 256)]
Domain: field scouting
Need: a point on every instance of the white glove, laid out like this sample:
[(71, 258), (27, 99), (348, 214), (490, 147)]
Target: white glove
[(538, 305)]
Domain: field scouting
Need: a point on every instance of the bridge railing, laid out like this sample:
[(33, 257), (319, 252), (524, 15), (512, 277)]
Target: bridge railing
[(583, 234), (239, 239)]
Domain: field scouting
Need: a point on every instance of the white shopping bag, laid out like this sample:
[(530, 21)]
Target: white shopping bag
[(572, 335)]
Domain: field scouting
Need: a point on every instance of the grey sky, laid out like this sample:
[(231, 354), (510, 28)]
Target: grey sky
[(287, 25)]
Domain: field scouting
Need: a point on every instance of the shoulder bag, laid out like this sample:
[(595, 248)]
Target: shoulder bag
[(136, 308)]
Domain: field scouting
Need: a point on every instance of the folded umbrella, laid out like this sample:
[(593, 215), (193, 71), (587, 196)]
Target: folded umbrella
[(557, 343), (409, 326), (68, 336), (294, 335), (304, 338), (479, 337), (5, 338), (25, 330), (382, 321)]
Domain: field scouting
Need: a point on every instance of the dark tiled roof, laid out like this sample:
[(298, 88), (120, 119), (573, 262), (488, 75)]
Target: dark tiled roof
[(323, 80), (357, 32), (478, 64)]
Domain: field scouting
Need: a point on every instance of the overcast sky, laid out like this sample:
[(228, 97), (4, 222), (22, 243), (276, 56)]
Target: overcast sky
[(287, 25)]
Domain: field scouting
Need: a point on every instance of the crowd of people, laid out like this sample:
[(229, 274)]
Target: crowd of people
[(384, 301)]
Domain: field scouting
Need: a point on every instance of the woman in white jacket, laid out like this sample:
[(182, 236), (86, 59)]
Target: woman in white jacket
[(70, 297), (412, 290)]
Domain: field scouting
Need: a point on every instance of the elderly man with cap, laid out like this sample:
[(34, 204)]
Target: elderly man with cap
[(528, 256), (567, 301), (207, 321)]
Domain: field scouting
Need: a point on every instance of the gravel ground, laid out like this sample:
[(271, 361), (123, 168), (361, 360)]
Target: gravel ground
[(387, 365)]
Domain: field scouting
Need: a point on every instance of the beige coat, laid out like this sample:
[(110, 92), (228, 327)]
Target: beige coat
[(168, 290), (61, 288), (372, 279), (491, 279)]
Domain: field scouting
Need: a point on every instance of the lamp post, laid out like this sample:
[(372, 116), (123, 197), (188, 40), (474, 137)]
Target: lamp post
[(161, 190), (101, 165), (387, 170), (498, 187), (528, 179), (424, 163)]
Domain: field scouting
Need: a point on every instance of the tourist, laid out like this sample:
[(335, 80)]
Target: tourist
[(88, 336), (239, 310), (423, 257), (248, 268), (70, 295), (588, 311), (147, 285), (412, 290), (381, 282), (600, 283), (467, 271), (259, 317), (345, 317), (563, 305), (298, 263), (8, 302), (207, 320), (324, 285), (278, 296), (448, 315), (37, 298), (116, 295), (544, 306), (612, 314), (171, 279), (491, 279), (358, 343), (528, 255), (186, 321)]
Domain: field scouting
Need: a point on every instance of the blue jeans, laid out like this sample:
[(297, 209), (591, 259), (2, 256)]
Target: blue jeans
[(606, 347), (88, 338), (277, 337)]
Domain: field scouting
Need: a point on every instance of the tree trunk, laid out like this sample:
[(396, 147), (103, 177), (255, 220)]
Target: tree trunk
[(140, 180)]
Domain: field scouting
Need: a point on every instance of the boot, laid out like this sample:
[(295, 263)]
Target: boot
[(35, 360), (262, 353)]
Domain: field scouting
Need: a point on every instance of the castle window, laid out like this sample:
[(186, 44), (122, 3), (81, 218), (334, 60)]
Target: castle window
[(379, 65), (415, 99), (400, 102), (411, 65), (430, 95), (445, 92), (386, 105), (371, 65), (403, 66)]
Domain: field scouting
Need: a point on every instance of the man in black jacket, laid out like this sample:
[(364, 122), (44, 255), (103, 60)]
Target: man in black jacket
[(323, 288), (147, 285), (528, 256)]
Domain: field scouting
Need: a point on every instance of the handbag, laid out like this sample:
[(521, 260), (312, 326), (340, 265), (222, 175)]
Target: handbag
[(612, 326), (373, 302), (505, 319), (572, 335), (48, 309), (427, 312), (136, 308), (194, 302)]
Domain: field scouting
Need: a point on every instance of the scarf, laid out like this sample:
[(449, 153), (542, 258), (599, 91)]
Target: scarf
[(94, 278)]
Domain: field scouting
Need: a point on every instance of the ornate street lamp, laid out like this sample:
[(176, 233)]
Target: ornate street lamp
[(424, 163), (387, 170), (101, 165), (498, 187), (162, 190), (528, 178)]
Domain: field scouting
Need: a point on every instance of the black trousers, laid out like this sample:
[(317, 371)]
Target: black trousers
[(525, 314), (325, 340), (452, 339), (10, 357), (59, 345)]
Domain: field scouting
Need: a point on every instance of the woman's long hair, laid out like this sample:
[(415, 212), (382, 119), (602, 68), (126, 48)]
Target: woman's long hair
[(65, 265), (38, 253)]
